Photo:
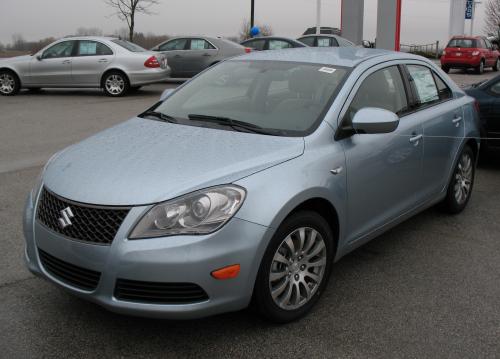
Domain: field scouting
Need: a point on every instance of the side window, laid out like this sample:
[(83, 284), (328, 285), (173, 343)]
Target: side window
[(255, 44), (309, 41), (279, 44), (443, 89), (177, 44), (92, 48), (425, 86), (61, 49), (382, 89), (200, 44), (345, 43), (324, 42)]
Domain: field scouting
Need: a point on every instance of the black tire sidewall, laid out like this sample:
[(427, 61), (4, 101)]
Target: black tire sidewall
[(262, 296), (451, 204), (126, 87), (17, 83)]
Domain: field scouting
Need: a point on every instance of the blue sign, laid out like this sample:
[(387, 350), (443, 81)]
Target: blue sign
[(254, 31), (469, 9)]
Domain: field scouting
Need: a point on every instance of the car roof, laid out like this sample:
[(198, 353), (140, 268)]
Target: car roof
[(465, 37), (109, 38), (339, 56)]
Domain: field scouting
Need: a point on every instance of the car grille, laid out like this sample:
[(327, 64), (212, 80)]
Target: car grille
[(89, 223), (69, 273), (159, 293)]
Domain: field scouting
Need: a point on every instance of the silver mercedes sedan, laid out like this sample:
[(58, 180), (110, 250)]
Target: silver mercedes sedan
[(246, 184), (114, 65)]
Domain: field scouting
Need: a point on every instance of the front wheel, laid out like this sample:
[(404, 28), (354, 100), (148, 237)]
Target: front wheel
[(295, 268), (115, 84), (9, 83), (461, 183)]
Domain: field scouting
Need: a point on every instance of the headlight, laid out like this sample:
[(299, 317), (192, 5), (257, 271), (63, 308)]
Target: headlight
[(199, 212)]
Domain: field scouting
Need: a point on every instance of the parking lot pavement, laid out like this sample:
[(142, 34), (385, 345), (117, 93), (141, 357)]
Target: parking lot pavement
[(428, 288)]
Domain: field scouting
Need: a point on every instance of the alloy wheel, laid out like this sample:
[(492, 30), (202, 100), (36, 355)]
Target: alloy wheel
[(463, 178), (115, 84), (298, 268), (7, 83)]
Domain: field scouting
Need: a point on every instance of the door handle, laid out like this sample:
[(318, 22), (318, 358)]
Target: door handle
[(103, 60), (415, 140), (66, 62), (177, 56), (337, 170), (207, 55), (457, 120)]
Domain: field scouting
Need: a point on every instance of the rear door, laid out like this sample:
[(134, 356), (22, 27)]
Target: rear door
[(443, 126), (91, 60), (199, 55), (54, 66), (175, 50)]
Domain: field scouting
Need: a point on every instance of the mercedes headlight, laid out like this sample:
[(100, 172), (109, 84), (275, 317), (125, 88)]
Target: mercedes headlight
[(199, 212)]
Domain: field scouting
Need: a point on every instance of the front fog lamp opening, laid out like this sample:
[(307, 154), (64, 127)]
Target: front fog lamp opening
[(200, 212)]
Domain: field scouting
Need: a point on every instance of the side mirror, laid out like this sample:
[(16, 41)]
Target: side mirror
[(166, 94), (155, 49), (367, 44), (39, 57), (373, 120)]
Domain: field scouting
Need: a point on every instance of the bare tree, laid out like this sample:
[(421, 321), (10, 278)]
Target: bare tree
[(492, 21), (127, 9), (265, 30)]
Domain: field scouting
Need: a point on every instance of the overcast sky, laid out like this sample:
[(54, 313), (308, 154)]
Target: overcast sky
[(423, 21)]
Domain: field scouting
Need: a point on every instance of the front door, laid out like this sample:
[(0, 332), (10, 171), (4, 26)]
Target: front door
[(53, 66), (175, 50), (383, 170)]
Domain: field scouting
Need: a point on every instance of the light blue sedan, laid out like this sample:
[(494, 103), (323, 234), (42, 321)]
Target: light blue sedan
[(250, 181)]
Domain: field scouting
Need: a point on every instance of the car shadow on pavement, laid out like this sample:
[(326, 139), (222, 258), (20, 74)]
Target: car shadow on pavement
[(143, 92)]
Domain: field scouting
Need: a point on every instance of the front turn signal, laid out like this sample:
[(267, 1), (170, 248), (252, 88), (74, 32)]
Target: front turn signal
[(228, 272)]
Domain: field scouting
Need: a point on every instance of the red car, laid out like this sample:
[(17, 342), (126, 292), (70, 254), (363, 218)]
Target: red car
[(470, 52)]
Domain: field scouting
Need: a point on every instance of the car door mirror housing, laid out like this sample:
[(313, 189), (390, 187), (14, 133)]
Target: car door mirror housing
[(39, 57), (373, 120), (166, 94)]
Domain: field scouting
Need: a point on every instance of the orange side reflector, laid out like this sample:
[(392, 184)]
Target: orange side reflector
[(228, 272)]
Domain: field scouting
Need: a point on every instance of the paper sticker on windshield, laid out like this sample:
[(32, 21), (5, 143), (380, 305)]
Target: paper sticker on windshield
[(328, 70)]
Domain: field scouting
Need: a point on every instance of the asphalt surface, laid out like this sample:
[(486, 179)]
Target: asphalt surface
[(429, 288)]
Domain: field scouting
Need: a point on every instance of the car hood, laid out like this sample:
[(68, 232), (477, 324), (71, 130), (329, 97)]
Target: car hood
[(145, 161), (16, 59)]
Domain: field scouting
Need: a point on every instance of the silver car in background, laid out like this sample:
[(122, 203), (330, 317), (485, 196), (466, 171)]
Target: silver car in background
[(189, 55), (325, 40), (250, 181), (112, 64)]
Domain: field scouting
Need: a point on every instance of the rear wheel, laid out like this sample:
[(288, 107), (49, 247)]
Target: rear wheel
[(480, 68), (496, 66), (461, 183), (295, 268), (9, 83), (115, 84)]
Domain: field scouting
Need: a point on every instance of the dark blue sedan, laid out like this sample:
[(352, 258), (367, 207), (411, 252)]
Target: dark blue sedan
[(487, 94)]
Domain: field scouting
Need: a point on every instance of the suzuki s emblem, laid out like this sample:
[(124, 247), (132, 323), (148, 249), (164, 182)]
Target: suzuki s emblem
[(65, 219)]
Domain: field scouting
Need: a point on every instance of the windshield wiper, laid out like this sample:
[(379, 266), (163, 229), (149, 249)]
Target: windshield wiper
[(235, 124), (159, 115)]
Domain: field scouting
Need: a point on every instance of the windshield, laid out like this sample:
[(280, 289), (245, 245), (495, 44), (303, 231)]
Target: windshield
[(465, 43), (129, 45), (283, 96)]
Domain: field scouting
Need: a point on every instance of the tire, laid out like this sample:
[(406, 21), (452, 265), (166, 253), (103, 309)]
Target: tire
[(461, 183), (9, 83), (497, 65), (446, 69), (115, 84), (286, 271), (480, 68)]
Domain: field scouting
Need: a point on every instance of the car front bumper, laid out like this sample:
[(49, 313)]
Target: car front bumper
[(176, 259)]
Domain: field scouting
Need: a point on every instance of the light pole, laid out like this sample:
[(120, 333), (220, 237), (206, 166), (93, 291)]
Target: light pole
[(318, 17), (252, 13), (474, 3)]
